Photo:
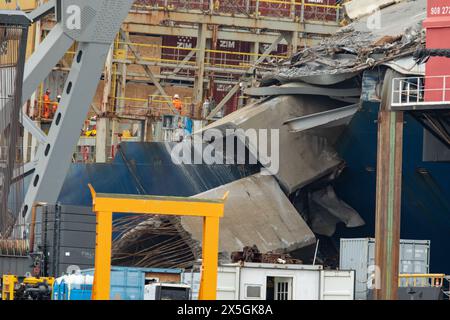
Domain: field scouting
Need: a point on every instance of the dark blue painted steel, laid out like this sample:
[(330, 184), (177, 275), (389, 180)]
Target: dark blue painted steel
[(426, 186), (147, 168)]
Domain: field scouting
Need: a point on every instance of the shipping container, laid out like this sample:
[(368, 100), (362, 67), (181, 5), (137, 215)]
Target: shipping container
[(260, 281), (174, 50), (359, 255), (15, 265), (126, 283), (67, 236), (320, 10), (234, 55)]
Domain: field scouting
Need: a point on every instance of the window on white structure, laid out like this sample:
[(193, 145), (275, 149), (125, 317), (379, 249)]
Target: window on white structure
[(279, 288), (252, 292)]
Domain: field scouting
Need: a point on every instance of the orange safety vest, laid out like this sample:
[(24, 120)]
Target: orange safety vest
[(177, 104), (46, 106)]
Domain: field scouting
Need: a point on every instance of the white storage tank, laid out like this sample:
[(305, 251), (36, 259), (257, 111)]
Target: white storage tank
[(359, 255)]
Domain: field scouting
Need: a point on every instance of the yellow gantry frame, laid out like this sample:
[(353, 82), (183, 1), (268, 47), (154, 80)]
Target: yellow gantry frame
[(105, 204)]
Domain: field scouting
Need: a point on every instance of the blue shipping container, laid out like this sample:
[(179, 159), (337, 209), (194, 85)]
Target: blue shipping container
[(126, 284)]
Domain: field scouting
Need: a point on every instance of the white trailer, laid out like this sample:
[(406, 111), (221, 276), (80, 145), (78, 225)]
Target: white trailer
[(258, 281)]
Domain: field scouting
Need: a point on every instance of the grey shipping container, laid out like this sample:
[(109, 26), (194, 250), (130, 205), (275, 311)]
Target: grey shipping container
[(67, 235), (359, 255), (15, 265)]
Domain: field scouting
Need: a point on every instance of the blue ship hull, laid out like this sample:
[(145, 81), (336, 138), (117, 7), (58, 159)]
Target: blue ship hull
[(425, 191)]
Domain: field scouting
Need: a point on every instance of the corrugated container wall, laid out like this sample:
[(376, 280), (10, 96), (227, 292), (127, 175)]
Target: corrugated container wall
[(67, 235), (15, 265), (126, 283), (359, 255)]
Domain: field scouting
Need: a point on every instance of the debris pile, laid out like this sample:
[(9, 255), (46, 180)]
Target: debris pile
[(252, 254), (344, 55)]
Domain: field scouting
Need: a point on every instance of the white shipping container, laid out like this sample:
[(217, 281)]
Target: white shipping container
[(337, 285), (359, 255), (258, 281)]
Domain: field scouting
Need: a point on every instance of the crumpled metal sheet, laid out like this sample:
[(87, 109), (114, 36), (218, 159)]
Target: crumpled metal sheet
[(406, 66), (298, 88), (304, 156), (327, 210), (257, 212)]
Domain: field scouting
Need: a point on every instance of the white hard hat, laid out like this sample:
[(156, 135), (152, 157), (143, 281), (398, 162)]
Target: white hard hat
[(176, 96)]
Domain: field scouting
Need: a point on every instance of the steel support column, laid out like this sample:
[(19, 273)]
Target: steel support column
[(103, 122), (200, 75), (293, 44), (388, 198), (55, 156), (103, 243)]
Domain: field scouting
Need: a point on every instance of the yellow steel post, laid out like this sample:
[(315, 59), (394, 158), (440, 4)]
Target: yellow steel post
[(102, 273), (210, 249), (8, 287)]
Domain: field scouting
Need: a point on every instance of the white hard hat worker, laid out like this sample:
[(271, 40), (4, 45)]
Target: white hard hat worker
[(177, 102)]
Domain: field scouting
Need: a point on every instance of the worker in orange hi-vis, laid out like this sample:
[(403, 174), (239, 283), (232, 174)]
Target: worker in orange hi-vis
[(47, 103), (177, 103)]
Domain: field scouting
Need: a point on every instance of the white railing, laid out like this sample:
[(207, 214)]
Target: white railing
[(420, 91)]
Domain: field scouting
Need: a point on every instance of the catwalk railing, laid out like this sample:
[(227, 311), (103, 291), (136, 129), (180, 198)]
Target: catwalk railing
[(421, 91), (300, 10)]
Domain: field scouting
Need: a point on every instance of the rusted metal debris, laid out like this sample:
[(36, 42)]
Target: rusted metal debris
[(252, 254)]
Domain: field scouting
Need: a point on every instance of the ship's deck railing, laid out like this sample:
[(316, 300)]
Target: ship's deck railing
[(421, 91), (253, 8), (435, 280)]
